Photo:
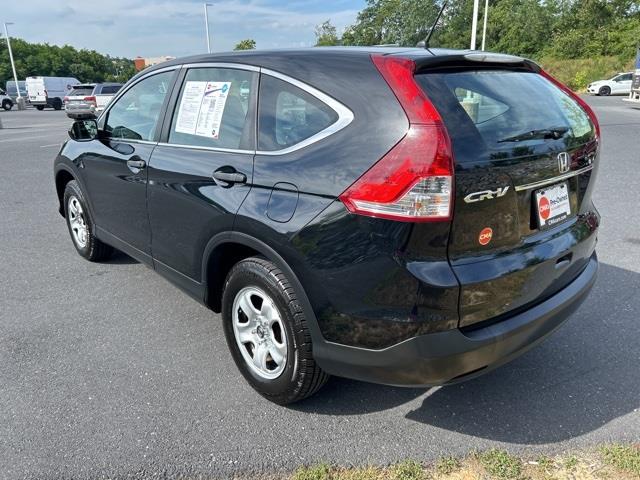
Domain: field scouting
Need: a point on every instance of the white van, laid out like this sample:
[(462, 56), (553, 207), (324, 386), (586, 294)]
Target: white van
[(49, 91)]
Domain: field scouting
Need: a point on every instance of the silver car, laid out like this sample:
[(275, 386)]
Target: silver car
[(89, 99)]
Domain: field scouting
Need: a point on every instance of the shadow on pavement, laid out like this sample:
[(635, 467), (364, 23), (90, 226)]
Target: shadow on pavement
[(581, 378), (120, 258)]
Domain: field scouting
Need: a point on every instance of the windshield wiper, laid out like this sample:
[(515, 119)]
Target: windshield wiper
[(543, 133)]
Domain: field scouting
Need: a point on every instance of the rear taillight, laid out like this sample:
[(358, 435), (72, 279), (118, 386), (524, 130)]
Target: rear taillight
[(413, 182), (577, 98), (90, 99), (65, 99)]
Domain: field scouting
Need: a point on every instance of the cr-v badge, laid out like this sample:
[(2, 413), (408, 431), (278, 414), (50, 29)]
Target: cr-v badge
[(486, 195)]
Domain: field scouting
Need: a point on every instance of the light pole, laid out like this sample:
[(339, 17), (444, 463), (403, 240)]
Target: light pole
[(206, 25), (13, 66), (484, 27), (474, 24)]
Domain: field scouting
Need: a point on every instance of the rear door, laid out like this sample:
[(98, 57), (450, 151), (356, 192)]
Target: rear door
[(202, 170), (624, 83), (36, 90), (524, 153)]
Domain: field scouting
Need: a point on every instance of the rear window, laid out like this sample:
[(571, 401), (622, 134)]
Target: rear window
[(81, 92), (509, 110)]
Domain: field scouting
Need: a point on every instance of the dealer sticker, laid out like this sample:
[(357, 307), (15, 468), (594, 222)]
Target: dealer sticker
[(552, 205)]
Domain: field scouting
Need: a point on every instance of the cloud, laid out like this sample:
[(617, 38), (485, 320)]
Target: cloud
[(149, 28)]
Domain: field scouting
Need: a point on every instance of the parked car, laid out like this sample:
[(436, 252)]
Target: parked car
[(89, 99), (49, 91), (5, 100), (13, 92), (618, 85), (368, 213)]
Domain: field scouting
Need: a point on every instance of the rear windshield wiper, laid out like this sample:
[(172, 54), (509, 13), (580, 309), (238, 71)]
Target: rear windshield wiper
[(543, 133)]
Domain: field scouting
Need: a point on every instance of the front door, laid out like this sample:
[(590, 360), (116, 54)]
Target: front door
[(202, 170), (115, 171)]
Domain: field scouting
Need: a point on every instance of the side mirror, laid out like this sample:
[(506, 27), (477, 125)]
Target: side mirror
[(84, 130)]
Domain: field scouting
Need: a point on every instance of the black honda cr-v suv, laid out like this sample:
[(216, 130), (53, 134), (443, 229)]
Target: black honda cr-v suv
[(402, 216)]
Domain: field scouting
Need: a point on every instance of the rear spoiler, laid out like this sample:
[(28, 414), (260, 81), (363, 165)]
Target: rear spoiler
[(479, 59)]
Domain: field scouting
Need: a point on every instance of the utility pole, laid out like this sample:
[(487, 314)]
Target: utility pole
[(206, 25), (20, 100), (474, 23), (484, 27)]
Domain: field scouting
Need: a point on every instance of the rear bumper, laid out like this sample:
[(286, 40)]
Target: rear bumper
[(452, 356), (80, 111)]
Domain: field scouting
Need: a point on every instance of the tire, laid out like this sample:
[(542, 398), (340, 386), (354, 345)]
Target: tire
[(81, 226), (7, 105), (604, 91), (40, 107), (57, 104), (296, 375)]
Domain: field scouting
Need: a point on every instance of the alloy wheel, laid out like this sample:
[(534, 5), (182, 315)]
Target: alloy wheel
[(259, 332)]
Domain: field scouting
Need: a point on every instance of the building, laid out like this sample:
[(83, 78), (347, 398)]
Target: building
[(142, 63)]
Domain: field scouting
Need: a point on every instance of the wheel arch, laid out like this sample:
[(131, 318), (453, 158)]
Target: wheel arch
[(63, 177), (225, 250)]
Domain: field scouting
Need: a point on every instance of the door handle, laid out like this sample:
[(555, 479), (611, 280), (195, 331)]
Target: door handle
[(230, 177), (136, 163)]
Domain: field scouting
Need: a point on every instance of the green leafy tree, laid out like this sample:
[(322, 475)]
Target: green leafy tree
[(402, 22), (51, 60), (326, 35), (247, 44)]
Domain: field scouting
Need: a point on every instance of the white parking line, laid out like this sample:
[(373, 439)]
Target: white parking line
[(31, 137), (52, 145)]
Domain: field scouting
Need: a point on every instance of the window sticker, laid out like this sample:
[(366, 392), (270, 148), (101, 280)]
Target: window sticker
[(201, 108)]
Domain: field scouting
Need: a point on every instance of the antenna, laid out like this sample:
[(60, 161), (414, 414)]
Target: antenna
[(433, 27)]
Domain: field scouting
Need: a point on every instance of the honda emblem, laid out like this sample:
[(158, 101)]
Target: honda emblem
[(564, 162)]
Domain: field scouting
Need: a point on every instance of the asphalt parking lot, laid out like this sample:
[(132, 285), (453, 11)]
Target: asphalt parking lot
[(107, 370)]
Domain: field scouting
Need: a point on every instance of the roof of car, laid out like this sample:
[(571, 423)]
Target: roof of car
[(310, 51), (259, 57)]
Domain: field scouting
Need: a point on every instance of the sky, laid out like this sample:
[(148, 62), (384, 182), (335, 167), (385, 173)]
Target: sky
[(130, 28)]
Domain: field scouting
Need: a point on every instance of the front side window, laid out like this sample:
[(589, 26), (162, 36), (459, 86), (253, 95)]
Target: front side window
[(135, 115), (214, 109), (287, 115)]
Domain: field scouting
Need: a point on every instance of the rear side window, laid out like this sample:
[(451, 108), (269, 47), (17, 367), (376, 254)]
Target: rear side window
[(110, 89), (502, 107), (81, 92), (288, 115), (214, 109)]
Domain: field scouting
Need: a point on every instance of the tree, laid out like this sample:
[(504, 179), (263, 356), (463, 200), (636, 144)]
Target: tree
[(247, 44), (402, 22), (33, 59), (326, 35)]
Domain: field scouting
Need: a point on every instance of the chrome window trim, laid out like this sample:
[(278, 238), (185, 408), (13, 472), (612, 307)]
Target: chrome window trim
[(237, 66), (345, 116), (202, 147), (549, 181), (127, 140)]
